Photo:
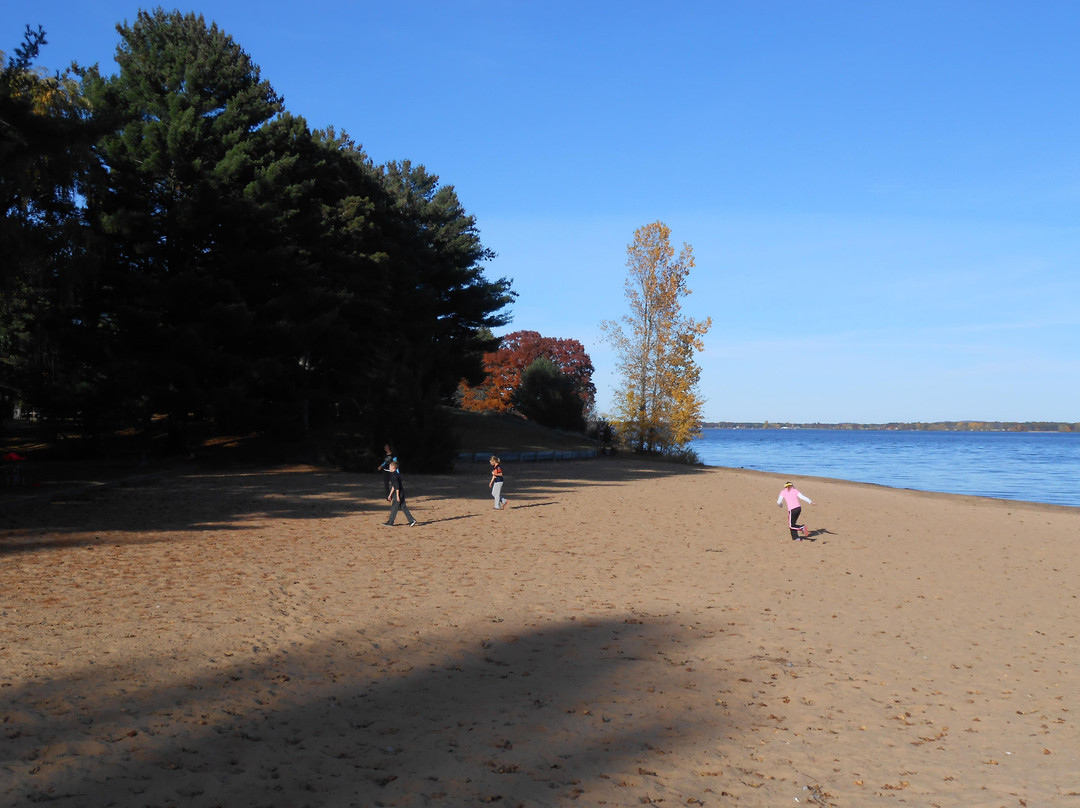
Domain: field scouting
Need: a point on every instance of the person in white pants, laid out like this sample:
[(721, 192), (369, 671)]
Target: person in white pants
[(496, 483)]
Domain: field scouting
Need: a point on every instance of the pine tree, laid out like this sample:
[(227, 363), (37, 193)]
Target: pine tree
[(171, 212), (441, 304), (230, 262), (45, 152)]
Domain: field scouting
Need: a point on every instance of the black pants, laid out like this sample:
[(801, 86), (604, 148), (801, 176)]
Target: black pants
[(394, 506), (793, 521)]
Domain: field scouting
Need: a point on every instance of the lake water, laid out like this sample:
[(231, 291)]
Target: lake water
[(1030, 466)]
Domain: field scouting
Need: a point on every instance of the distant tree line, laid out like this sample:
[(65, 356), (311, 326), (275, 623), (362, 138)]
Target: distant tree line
[(176, 245), (912, 426)]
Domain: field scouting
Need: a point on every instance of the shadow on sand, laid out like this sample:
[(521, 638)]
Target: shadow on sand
[(219, 499), (361, 719)]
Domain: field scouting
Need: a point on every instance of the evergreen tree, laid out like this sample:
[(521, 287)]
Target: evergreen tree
[(231, 263), (171, 208), (347, 322), (440, 304), (45, 139)]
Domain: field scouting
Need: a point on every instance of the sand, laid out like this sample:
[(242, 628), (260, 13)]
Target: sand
[(625, 633)]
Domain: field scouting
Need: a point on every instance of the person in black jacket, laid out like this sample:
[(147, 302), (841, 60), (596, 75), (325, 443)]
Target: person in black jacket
[(384, 469), (397, 497)]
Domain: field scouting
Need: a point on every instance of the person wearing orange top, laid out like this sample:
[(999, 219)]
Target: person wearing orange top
[(496, 483)]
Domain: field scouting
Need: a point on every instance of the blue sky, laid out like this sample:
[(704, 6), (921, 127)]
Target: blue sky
[(882, 197)]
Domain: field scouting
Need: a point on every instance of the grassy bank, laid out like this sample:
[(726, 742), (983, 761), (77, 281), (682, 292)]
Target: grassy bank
[(53, 460), (500, 433)]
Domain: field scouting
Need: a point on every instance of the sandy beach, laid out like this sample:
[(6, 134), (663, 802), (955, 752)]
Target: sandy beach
[(625, 633)]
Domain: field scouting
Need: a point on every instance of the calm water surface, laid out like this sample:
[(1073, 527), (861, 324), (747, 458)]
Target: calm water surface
[(1031, 466)]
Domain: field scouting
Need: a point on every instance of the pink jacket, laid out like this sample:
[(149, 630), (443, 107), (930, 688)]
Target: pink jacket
[(792, 496)]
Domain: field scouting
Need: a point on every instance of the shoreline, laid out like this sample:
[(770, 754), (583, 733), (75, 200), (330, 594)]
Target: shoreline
[(778, 475), (625, 632), (1026, 467)]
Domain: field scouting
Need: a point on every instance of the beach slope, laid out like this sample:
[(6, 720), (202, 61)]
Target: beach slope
[(625, 633)]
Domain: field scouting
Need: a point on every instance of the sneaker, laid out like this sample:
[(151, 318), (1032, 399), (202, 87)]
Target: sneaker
[(413, 523), (386, 524)]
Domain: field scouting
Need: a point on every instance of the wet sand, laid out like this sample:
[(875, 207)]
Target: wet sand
[(625, 633)]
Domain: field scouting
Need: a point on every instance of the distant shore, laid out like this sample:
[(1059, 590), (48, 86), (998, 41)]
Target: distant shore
[(923, 426)]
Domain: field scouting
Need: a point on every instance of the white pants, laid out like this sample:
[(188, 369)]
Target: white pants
[(496, 492)]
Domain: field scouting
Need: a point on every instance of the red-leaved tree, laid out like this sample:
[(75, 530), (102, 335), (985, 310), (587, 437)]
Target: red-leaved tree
[(519, 350)]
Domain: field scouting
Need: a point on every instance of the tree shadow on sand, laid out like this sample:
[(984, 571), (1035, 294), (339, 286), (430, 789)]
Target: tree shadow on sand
[(364, 719), (220, 499)]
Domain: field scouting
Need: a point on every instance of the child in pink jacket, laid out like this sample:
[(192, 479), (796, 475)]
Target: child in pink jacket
[(791, 495)]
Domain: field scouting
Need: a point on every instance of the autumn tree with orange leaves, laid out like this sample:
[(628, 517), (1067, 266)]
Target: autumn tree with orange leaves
[(657, 407), (504, 368)]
